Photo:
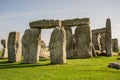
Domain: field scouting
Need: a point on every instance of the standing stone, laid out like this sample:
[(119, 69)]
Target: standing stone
[(44, 53), (57, 46), (5, 50), (83, 41), (14, 47), (69, 42), (96, 41), (103, 42), (31, 45), (108, 38), (115, 45)]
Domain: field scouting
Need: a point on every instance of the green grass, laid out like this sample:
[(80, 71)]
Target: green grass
[(74, 69)]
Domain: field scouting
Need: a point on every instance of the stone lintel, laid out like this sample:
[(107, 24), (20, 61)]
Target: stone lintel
[(75, 22), (45, 24), (100, 30)]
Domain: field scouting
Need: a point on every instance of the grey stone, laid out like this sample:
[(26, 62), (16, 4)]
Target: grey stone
[(44, 53), (114, 65), (100, 30), (57, 46), (5, 50), (83, 41), (96, 41), (108, 38), (103, 42), (69, 42), (31, 45), (45, 24), (14, 47), (115, 45), (75, 22), (43, 44)]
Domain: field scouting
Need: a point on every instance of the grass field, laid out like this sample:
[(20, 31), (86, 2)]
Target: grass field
[(74, 69)]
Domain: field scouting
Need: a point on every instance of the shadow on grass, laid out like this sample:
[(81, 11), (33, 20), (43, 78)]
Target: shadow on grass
[(4, 64)]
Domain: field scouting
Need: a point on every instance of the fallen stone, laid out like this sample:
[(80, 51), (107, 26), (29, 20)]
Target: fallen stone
[(45, 24), (114, 65)]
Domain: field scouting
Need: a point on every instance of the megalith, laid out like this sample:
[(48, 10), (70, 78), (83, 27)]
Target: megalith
[(14, 47), (69, 42), (103, 42), (31, 45), (83, 41), (115, 45), (5, 50), (108, 38), (57, 46), (44, 53)]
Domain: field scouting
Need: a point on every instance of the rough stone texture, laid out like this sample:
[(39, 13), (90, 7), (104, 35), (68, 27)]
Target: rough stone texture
[(101, 30), (108, 38), (43, 44), (14, 47), (31, 45), (93, 51), (115, 45), (75, 22), (44, 24), (114, 65), (83, 41), (5, 50), (103, 42), (57, 46), (44, 53), (69, 42), (96, 41)]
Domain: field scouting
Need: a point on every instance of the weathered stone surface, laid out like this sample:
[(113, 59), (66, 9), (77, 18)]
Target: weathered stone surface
[(57, 46), (103, 42), (96, 41), (14, 47), (101, 30), (93, 51), (114, 65), (83, 41), (75, 22), (115, 45), (44, 24), (44, 53), (31, 45), (43, 44), (5, 50), (69, 42), (108, 38)]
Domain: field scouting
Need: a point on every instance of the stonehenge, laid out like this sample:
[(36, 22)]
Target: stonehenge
[(115, 45), (45, 24), (84, 43), (57, 46), (69, 42), (14, 47), (31, 45), (102, 39), (5, 50)]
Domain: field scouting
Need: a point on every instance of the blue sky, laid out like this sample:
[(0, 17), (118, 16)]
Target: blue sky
[(15, 15)]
